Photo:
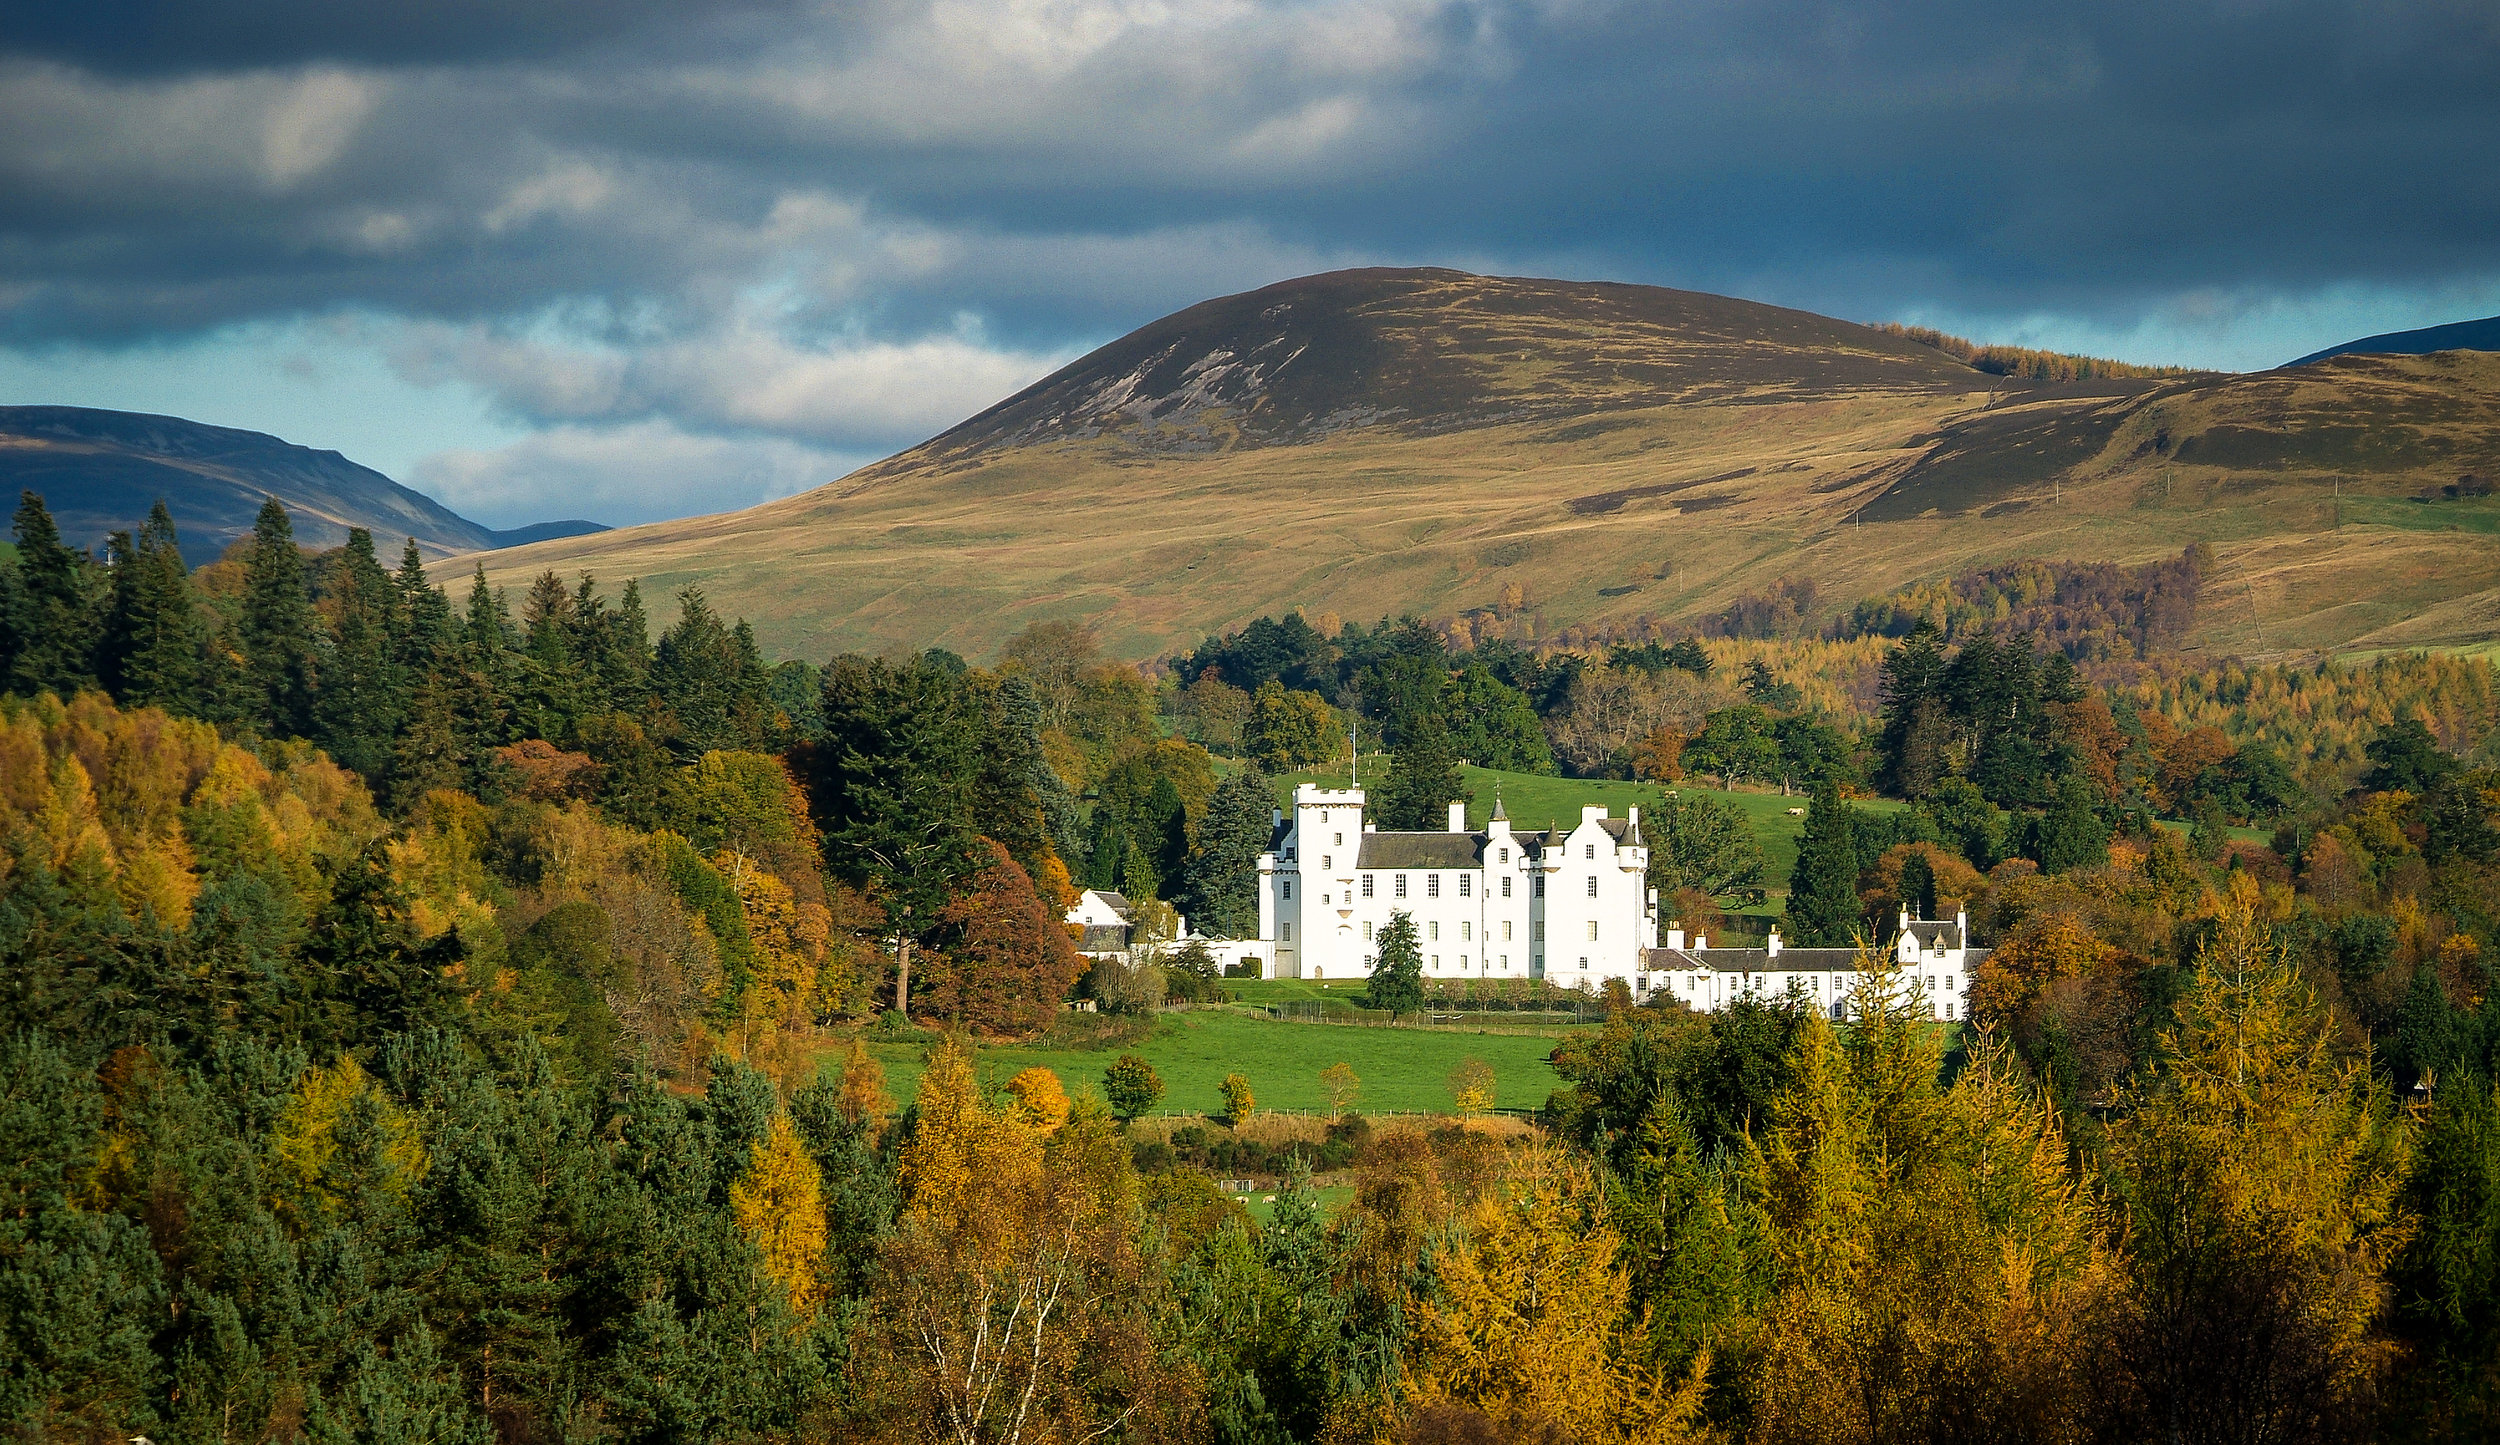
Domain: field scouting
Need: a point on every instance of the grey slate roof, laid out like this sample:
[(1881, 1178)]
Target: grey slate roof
[(1421, 850), (1928, 931), (1118, 901), (1104, 938), (1754, 960)]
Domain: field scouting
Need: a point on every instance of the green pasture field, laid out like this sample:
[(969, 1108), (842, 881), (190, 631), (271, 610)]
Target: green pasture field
[(1404, 1070), (1535, 801)]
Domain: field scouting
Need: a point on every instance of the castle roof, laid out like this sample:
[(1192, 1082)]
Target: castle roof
[(1421, 850)]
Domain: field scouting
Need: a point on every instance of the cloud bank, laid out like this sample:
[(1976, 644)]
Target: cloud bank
[(797, 235)]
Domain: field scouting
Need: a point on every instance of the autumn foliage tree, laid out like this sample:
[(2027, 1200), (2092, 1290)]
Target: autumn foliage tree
[(1005, 963)]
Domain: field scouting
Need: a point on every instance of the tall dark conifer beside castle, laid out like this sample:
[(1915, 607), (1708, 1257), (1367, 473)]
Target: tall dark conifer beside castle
[(1223, 876), (1423, 777), (154, 648), (279, 633), (1823, 891)]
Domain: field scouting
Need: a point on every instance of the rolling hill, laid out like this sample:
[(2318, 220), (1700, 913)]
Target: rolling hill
[(1385, 441), (100, 471), (2483, 335)]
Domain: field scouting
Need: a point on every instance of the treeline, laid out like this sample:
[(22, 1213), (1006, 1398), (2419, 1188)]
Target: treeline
[(2092, 612), (2026, 364)]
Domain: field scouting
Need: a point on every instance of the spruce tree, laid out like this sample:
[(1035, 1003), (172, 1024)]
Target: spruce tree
[(280, 635), (153, 640), (52, 622), (1823, 891), (1222, 892), (1423, 777), (2070, 834), (428, 636), (1397, 978), (364, 695)]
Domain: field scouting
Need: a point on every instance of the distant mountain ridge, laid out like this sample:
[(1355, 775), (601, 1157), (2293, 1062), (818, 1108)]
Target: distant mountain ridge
[(1594, 456), (2483, 335), (99, 472)]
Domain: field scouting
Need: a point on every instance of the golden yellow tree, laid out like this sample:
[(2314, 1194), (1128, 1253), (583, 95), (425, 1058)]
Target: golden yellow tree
[(779, 1204), (1011, 1290), (1529, 1333), (863, 1097), (2255, 1179), (1935, 1260), (1343, 1086), (1238, 1100), (339, 1132), (1041, 1098), (1471, 1088)]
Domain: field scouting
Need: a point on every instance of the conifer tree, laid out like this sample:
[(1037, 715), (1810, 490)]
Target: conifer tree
[(1397, 977), (1423, 777), (2070, 834), (153, 639), (1222, 891), (51, 624), (364, 696), (1823, 888), (428, 636), (280, 635)]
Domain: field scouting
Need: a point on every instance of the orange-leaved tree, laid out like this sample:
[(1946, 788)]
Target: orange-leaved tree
[(1005, 961)]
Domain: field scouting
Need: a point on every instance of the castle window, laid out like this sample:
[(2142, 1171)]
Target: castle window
[(1505, 855), (1288, 884), (1537, 931), (1592, 930), (1948, 1010), (1436, 960), (1590, 851), (1505, 959), (1432, 885), (1327, 861), (1340, 840), (1466, 885), (1284, 933), (1540, 885), (1592, 885), (1435, 930), (1367, 885), (1505, 885), (1505, 930), (1367, 933), (1466, 930), (1399, 885)]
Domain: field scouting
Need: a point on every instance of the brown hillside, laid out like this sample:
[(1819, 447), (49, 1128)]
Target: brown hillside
[(1376, 442)]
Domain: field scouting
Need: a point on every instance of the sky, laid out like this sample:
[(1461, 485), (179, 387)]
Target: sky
[(635, 259)]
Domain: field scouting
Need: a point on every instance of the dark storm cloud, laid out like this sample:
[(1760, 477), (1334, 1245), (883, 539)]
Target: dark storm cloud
[(628, 214), (158, 37)]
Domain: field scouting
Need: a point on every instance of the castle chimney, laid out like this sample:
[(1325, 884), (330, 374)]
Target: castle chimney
[(1458, 817), (1675, 934), (1774, 944)]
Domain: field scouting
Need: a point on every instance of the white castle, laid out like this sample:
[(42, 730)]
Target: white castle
[(1572, 907)]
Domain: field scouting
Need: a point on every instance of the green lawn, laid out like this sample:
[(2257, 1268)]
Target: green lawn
[(1534, 801), (1403, 1070)]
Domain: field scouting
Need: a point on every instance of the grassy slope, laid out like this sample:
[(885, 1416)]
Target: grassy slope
[(1630, 510), (1403, 1069)]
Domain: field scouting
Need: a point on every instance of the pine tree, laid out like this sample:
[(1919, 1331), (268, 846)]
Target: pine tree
[(1423, 777), (152, 655), (1823, 889), (1222, 891), (48, 637), (2070, 834), (1910, 743), (1397, 977), (428, 637), (280, 635), (364, 696)]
